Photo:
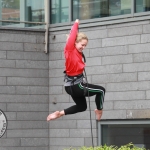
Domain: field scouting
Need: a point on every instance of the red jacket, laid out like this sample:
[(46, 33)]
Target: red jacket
[(74, 63)]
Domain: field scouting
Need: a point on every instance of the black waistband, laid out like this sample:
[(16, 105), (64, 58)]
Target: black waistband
[(77, 76)]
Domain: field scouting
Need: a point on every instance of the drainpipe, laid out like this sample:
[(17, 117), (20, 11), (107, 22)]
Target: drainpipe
[(47, 10)]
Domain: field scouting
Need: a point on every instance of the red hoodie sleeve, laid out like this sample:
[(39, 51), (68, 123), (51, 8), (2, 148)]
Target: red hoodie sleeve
[(72, 37)]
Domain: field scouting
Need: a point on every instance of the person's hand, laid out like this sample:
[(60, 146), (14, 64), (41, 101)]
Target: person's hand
[(77, 20)]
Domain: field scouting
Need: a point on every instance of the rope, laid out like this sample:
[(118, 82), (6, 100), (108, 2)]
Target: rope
[(89, 103)]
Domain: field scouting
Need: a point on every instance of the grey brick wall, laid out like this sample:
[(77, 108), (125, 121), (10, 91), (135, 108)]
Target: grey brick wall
[(118, 58), (24, 90), (31, 84)]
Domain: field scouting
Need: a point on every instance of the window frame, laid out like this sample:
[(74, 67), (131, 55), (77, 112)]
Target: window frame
[(133, 16), (111, 122)]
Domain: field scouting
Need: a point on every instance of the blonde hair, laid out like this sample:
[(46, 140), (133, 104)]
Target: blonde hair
[(81, 36)]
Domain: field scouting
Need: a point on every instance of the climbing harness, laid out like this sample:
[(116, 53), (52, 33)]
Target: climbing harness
[(71, 80)]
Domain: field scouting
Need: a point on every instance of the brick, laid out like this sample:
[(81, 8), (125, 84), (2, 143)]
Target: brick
[(82, 133), (132, 105), (2, 54), (2, 80), (59, 106), (7, 90), (59, 98), (144, 76), (58, 133), (34, 47), (27, 133), (139, 48), (88, 142), (136, 67), (129, 86), (55, 90), (24, 98), (55, 55), (11, 46), (10, 142), (27, 81), (63, 124), (114, 114), (138, 114), (146, 28), (109, 78), (136, 95), (94, 43), (25, 142), (31, 90), (9, 72), (58, 37), (40, 38), (123, 31), (128, 24), (27, 107), (7, 63), (3, 107), (31, 64), (93, 61), (108, 105), (56, 73), (135, 39), (11, 115), (96, 34), (145, 38), (56, 64), (104, 69), (27, 124), (56, 81), (142, 57), (18, 37), (27, 55), (148, 94), (30, 116), (104, 51), (120, 59), (85, 124), (56, 47), (67, 141)]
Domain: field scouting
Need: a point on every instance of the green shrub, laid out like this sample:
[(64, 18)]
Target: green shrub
[(129, 146)]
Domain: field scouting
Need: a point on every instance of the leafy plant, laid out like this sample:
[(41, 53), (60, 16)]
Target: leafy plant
[(129, 146)]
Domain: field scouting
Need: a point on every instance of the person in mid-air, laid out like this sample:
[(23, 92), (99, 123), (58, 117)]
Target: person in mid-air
[(75, 85)]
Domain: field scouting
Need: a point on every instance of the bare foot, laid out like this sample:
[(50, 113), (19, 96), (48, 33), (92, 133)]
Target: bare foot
[(98, 114), (53, 116)]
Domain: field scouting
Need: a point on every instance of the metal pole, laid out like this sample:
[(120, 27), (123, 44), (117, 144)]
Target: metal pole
[(47, 10)]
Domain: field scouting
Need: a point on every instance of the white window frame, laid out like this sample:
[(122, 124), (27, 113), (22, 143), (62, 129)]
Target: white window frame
[(118, 122)]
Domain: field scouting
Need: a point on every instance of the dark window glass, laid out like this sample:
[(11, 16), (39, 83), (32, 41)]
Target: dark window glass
[(59, 11), (10, 10), (34, 11), (89, 9), (142, 5), (123, 134)]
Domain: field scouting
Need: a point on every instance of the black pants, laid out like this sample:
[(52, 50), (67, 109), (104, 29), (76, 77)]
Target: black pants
[(79, 96)]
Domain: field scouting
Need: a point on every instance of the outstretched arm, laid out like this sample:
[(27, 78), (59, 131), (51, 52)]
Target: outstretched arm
[(72, 36)]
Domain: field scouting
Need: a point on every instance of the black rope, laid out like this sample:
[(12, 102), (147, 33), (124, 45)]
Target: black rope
[(89, 102)]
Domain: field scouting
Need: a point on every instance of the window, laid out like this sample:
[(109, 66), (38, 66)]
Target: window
[(119, 133), (142, 5), (14, 11), (35, 11), (59, 11), (10, 10), (89, 9)]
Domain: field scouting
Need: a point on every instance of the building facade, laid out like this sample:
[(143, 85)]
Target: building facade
[(32, 38)]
